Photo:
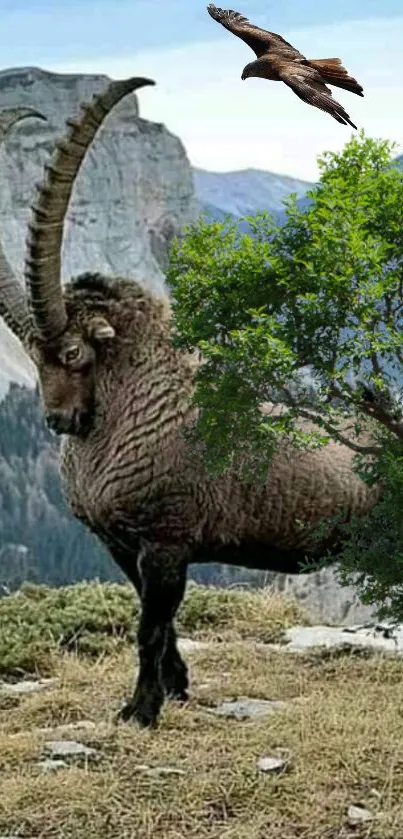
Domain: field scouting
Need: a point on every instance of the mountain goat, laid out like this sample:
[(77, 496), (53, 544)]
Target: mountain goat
[(119, 392)]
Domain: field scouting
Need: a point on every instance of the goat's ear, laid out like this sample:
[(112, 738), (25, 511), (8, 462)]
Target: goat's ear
[(100, 329)]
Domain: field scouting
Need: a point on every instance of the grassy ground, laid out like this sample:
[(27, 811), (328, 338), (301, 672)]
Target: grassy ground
[(342, 734), (38, 623)]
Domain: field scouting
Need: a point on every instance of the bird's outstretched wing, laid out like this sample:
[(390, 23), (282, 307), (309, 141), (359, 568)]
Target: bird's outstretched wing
[(258, 39), (308, 85)]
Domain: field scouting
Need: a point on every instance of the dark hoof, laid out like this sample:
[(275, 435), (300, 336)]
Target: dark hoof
[(176, 684), (178, 696), (143, 715)]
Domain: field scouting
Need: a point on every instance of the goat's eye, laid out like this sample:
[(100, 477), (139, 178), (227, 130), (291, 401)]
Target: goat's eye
[(72, 354)]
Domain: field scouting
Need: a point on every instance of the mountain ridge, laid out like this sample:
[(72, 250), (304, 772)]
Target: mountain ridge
[(245, 192)]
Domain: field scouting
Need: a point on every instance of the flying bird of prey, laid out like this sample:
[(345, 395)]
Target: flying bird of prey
[(279, 61)]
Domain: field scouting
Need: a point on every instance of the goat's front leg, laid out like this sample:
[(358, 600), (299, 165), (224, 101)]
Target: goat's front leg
[(173, 668), (163, 580)]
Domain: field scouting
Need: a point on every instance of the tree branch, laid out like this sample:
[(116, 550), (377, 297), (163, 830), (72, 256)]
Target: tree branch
[(376, 365), (337, 435), (319, 420), (376, 411)]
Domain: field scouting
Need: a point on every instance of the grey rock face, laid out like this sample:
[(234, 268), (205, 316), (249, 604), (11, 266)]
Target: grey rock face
[(134, 194), (323, 597)]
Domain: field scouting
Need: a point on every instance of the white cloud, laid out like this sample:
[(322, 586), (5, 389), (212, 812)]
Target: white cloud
[(229, 124)]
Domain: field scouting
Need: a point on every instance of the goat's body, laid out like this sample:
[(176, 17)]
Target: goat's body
[(135, 476), (140, 488)]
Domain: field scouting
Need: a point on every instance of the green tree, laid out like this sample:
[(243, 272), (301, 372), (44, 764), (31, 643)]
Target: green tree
[(308, 314)]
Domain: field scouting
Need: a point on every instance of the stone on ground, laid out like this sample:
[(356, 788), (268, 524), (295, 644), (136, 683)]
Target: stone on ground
[(245, 708), (271, 764), (70, 750), (358, 815), (27, 686)]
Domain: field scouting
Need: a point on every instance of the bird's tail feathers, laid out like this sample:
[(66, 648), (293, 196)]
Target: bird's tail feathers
[(333, 72)]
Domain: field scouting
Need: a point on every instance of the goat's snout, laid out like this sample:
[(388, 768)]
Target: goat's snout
[(67, 422), (60, 422)]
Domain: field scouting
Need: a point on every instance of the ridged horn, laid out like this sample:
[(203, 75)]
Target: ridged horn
[(13, 303), (45, 230), (9, 116)]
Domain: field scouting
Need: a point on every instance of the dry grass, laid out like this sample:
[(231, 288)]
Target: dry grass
[(342, 733), (231, 614)]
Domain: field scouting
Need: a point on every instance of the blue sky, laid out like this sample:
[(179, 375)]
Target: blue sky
[(224, 123)]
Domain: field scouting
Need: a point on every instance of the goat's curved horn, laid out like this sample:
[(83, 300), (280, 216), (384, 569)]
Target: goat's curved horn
[(13, 303), (44, 242), (9, 116)]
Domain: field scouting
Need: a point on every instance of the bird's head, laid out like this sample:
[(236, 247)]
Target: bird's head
[(248, 71)]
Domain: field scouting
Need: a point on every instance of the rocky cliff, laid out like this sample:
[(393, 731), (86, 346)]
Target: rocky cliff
[(324, 597), (134, 193)]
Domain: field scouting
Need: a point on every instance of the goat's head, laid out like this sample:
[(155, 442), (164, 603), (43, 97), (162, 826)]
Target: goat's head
[(66, 368), (63, 336)]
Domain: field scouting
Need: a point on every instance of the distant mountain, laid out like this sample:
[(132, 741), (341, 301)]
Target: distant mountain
[(249, 191), (245, 192)]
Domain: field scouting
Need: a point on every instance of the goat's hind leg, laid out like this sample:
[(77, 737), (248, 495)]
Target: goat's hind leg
[(163, 580), (174, 670)]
